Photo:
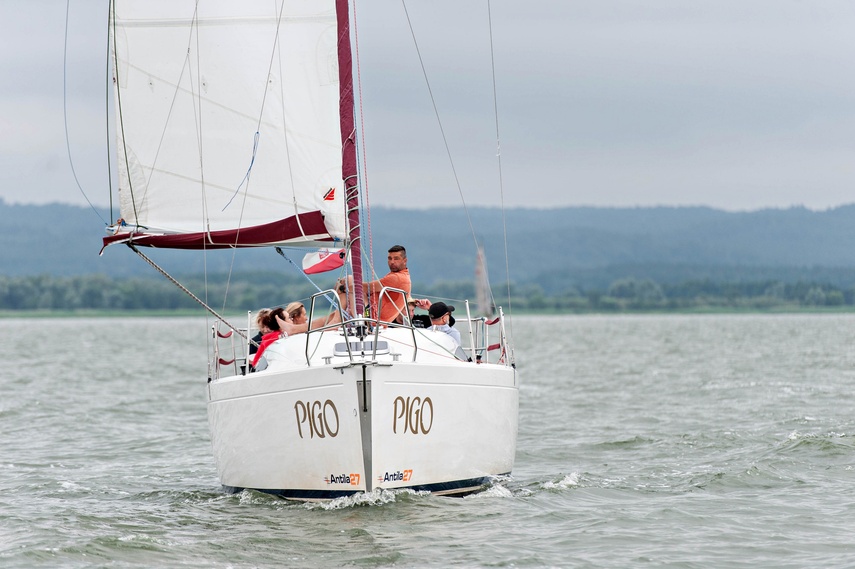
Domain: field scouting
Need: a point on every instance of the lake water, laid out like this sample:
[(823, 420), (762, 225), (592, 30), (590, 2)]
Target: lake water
[(678, 441)]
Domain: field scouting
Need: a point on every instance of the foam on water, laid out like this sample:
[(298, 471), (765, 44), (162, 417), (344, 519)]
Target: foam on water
[(377, 497), (569, 481)]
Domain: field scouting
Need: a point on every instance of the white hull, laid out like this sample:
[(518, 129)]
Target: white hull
[(356, 422)]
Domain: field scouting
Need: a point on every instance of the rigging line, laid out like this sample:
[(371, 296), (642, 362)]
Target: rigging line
[(285, 136), (439, 122), (499, 161), (197, 113), (248, 170), (302, 272), (107, 84), (256, 138), (234, 249), (65, 112), (194, 23), (257, 135), (186, 291), (121, 125), (197, 118), (501, 187), (362, 151)]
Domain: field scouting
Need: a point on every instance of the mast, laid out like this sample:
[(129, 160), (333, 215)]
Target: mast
[(348, 148)]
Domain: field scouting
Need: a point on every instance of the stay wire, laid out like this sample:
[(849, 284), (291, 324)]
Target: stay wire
[(499, 165), (362, 150), (107, 84), (302, 272), (439, 122), (120, 127), (186, 291), (197, 118), (65, 113)]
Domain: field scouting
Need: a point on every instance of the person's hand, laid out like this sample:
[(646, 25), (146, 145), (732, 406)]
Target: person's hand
[(423, 303)]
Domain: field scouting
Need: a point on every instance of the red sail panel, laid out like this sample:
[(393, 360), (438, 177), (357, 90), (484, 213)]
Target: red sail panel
[(295, 229)]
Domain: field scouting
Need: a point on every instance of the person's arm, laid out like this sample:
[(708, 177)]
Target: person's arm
[(372, 287), (289, 327)]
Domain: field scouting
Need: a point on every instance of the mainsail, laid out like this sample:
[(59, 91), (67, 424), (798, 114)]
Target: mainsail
[(228, 131)]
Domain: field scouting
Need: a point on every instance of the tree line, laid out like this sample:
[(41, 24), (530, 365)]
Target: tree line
[(101, 292), (633, 294)]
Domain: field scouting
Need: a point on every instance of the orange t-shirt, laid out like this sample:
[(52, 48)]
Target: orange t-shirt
[(394, 303)]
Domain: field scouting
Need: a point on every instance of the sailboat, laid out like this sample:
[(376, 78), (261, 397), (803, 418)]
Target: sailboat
[(236, 129)]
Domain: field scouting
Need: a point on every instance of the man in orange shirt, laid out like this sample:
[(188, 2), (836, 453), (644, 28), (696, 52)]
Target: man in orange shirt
[(394, 303)]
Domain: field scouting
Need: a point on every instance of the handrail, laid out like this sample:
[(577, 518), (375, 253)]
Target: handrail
[(309, 330), (406, 318), (357, 322), (479, 336), (508, 353), (362, 323), (249, 342), (472, 355), (217, 361)]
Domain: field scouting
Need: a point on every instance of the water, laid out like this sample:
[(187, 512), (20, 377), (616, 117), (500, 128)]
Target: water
[(677, 441)]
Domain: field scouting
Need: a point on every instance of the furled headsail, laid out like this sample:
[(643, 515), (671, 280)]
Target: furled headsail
[(228, 130)]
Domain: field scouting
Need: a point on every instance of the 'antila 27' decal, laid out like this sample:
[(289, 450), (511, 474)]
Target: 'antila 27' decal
[(320, 417), (415, 413), (352, 479), (400, 476)]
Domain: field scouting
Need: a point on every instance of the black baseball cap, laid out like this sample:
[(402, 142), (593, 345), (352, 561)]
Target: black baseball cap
[(439, 309)]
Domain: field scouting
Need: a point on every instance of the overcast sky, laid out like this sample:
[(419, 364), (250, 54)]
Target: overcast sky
[(735, 104)]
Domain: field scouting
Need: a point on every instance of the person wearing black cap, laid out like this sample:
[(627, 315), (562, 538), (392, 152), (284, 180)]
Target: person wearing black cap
[(440, 315)]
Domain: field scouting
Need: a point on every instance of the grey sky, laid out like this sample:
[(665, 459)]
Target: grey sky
[(730, 103)]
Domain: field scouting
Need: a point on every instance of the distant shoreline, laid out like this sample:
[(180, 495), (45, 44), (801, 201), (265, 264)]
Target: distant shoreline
[(93, 313)]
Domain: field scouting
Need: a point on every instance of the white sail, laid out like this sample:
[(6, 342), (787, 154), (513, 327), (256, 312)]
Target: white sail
[(228, 121)]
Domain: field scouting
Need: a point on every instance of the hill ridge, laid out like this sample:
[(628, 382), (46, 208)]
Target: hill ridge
[(573, 246)]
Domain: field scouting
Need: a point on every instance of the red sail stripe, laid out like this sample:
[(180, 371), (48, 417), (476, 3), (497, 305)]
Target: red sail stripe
[(281, 231)]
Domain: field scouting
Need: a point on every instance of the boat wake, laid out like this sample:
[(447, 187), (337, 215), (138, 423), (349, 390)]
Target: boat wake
[(569, 481), (377, 497), (498, 487)]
